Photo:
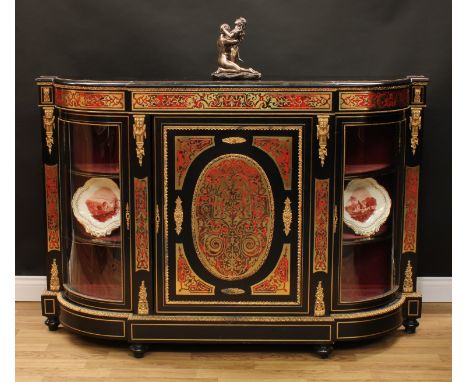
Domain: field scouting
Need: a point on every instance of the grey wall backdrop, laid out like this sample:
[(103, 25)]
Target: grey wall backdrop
[(286, 40)]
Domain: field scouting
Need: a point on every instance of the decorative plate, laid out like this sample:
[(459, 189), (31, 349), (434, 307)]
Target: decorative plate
[(366, 206), (96, 205)]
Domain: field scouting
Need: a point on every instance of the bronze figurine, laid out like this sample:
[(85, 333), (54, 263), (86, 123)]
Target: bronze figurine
[(228, 53)]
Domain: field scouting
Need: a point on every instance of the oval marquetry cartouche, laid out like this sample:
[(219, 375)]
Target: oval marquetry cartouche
[(232, 217)]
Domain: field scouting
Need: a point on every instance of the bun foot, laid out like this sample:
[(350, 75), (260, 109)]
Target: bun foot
[(410, 325), (324, 350), (52, 323), (138, 350)]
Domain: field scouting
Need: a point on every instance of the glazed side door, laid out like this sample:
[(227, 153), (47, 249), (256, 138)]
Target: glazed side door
[(231, 228), (368, 199), (95, 232)]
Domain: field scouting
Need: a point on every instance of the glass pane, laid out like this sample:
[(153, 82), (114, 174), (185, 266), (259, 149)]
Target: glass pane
[(370, 193), (369, 148), (95, 263)]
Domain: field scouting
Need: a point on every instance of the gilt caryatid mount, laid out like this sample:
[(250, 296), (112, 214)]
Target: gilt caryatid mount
[(228, 53)]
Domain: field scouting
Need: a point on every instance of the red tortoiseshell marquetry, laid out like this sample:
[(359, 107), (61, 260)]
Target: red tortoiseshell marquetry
[(374, 100), (410, 224), (186, 150), (141, 224), (278, 282), (188, 99), (279, 149), (52, 207), (321, 225), (90, 99)]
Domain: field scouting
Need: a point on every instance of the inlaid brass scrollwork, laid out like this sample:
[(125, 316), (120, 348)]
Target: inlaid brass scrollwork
[(323, 133), (335, 218), (157, 219), (49, 125), (319, 308), (143, 300), (127, 216), (54, 277), (139, 133), (415, 126)]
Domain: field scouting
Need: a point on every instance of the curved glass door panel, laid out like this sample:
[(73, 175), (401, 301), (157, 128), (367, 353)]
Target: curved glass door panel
[(95, 264), (370, 199)]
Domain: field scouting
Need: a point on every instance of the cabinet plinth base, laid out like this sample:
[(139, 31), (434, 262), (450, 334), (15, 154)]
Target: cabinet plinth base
[(320, 332)]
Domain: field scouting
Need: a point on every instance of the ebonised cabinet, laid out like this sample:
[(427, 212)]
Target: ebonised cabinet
[(232, 212)]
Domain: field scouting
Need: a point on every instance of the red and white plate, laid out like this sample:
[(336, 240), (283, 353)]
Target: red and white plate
[(366, 206), (96, 205)]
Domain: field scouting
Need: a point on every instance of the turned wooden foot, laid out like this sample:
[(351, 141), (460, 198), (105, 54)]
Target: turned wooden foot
[(410, 325), (52, 323), (324, 350), (138, 350)]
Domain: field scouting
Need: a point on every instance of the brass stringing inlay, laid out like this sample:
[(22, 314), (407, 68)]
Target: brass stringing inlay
[(158, 219), (415, 126), (139, 133), (54, 277), (408, 282), (232, 216), (287, 216), (143, 300), (323, 134), (178, 215), (49, 125), (335, 218), (233, 140), (319, 308), (127, 216)]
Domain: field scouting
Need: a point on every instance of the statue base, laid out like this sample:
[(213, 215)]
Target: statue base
[(221, 76)]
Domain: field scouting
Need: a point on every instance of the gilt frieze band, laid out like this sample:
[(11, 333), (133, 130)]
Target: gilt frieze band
[(374, 100), (52, 207), (230, 100), (140, 187), (90, 99), (410, 218)]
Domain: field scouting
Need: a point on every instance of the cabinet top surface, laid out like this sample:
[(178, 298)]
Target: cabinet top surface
[(235, 84)]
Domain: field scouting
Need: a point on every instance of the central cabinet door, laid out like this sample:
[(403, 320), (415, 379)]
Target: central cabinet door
[(232, 198)]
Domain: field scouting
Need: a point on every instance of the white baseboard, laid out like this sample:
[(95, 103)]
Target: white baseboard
[(433, 289), (29, 288)]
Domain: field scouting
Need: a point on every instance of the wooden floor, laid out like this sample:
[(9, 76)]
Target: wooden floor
[(61, 356)]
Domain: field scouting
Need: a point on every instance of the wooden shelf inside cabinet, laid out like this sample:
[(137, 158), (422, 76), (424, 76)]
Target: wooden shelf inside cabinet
[(109, 241), (88, 174), (368, 240), (371, 174)]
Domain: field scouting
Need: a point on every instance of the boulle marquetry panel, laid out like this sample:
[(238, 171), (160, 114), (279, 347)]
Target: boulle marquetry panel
[(232, 212)]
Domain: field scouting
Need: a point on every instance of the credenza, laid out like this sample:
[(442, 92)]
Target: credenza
[(235, 212)]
